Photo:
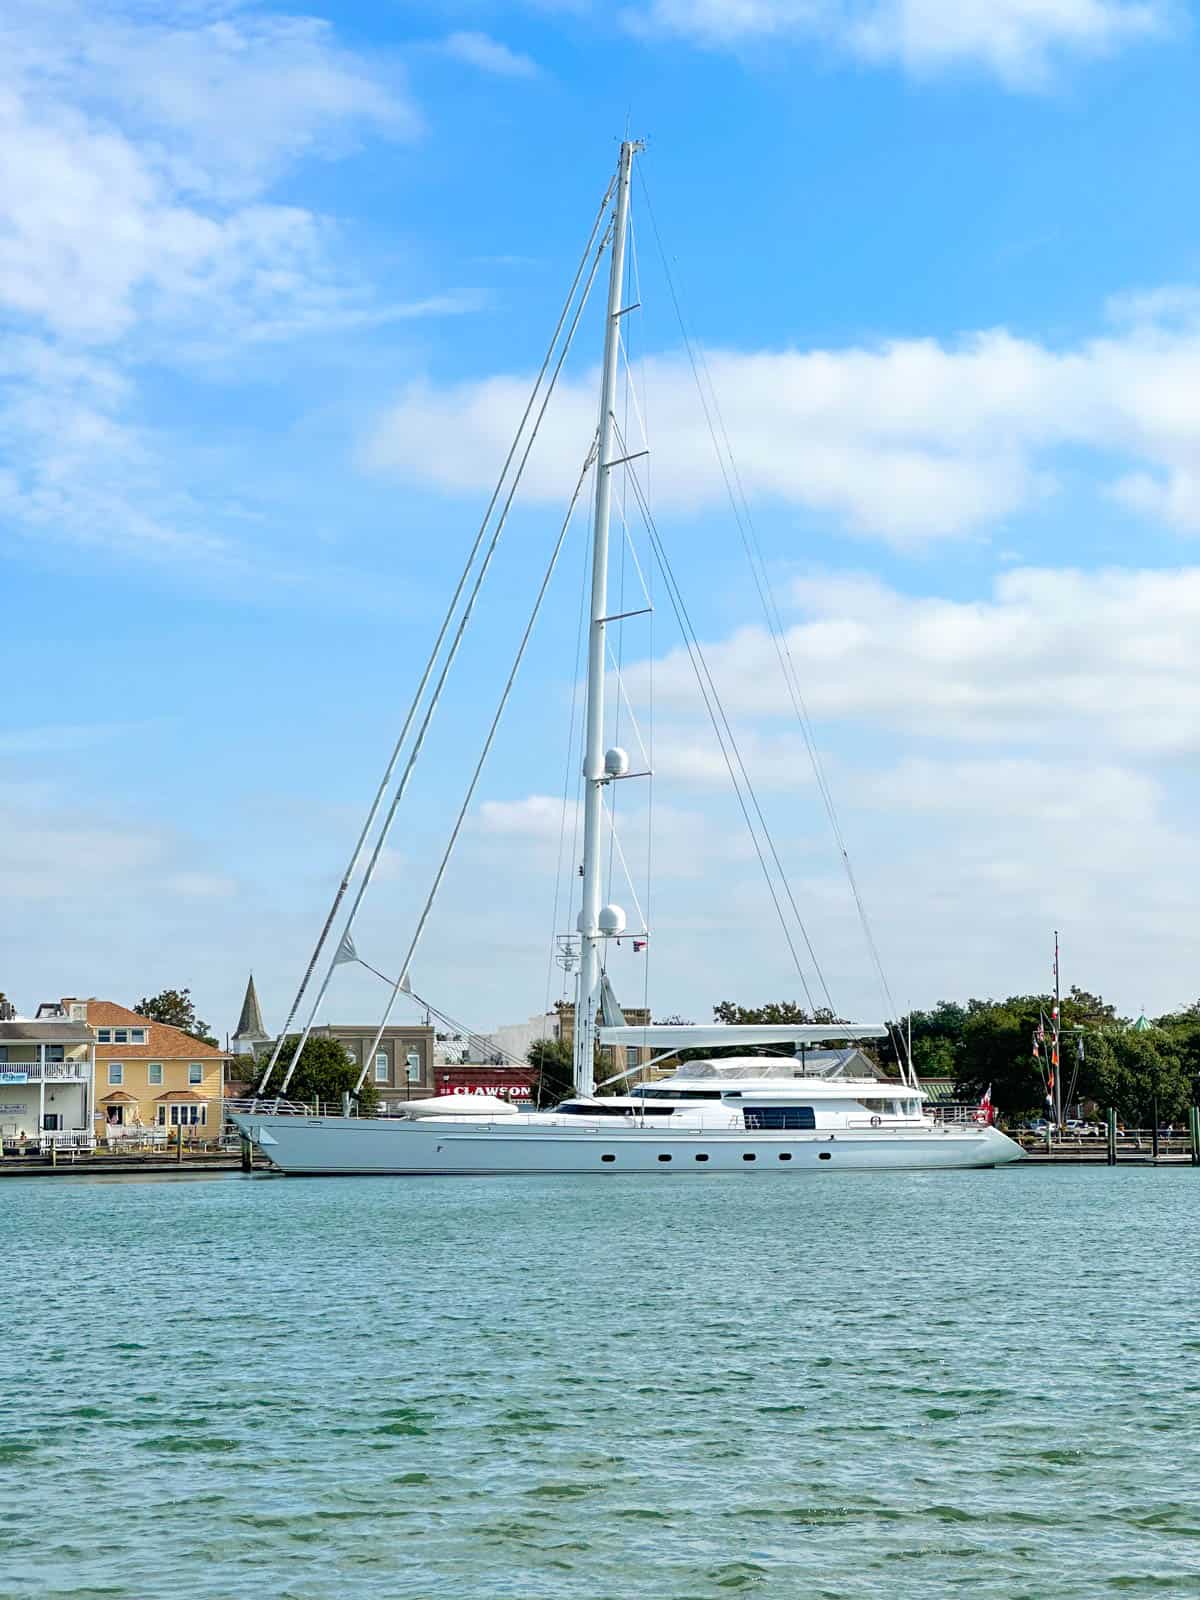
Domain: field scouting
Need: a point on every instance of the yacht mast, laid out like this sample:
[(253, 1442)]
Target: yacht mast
[(587, 994)]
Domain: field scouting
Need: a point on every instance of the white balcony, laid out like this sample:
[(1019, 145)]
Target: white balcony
[(12, 1072)]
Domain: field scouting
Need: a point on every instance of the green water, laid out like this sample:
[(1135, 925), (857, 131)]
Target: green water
[(596, 1388)]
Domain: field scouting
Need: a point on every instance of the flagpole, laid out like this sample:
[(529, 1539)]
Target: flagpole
[(1057, 1041)]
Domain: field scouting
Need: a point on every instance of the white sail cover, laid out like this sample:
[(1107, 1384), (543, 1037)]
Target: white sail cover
[(719, 1035)]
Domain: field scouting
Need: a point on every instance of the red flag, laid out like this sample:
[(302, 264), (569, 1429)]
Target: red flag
[(986, 1112), (638, 946)]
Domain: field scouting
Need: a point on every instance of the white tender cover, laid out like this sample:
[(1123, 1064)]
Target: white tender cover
[(460, 1105)]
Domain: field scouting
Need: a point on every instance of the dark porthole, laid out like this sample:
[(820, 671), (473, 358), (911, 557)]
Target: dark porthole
[(824, 1155), (608, 1158), (749, 1157), (701, 1158), (664, 1158), (785, 1155)]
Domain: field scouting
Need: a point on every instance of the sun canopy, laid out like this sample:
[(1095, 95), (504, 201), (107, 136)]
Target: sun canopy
[(718, 1035)]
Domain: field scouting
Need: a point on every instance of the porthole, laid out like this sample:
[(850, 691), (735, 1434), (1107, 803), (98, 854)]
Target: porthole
[(749, 1157), (701, 1158), (824, 1155), (664, 1158), (785, 1155), (608, 1158)]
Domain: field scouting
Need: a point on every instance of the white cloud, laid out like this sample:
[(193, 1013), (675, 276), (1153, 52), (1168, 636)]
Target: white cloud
[(1019, 41), (489, 55), (693, 759), (908, 440), (1103, 660), (137, 146)]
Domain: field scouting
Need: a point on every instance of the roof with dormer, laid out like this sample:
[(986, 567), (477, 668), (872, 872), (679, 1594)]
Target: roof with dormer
[(163, 1043)]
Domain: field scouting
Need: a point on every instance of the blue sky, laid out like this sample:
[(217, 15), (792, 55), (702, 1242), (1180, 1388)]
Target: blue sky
[(270, 283)]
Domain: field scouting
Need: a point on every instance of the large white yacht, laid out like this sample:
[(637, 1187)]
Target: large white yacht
[(730, 1114), (727, 1113)]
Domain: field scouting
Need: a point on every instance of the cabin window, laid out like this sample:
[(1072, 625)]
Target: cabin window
[(778, 1117), (823, 1156), (608, 1158), (701, 1157), (749, 1156), (664, 1158), (874, 1105), (785, 1155)]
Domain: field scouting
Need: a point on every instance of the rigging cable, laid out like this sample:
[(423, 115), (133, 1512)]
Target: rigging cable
[(483, 755), (389, 770), (728, 743), (435, 697), (759, 572)]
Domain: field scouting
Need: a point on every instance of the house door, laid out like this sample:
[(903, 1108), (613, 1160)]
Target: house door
[(115, 1116)]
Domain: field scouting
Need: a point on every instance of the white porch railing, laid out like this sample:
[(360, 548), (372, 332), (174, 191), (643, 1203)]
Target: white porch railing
[(44, 1072), (66, 1139)]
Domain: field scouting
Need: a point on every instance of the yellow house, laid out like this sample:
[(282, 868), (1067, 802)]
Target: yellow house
[(151, 1076)]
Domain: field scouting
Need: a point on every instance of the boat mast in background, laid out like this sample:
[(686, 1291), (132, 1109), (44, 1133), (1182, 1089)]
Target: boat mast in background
[(593, 925), (1056, 1058)]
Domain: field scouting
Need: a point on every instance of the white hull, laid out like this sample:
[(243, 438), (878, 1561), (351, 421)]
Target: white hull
[(363, 1146)]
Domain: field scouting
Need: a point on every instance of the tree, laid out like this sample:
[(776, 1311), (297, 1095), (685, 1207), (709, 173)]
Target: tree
[(1143, 1075), (937, 1040), (174, 1008), (325, 1072), (554, 1062), (777, 1012)]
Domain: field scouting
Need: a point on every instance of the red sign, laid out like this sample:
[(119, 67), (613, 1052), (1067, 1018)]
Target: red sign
[(516, 1084)]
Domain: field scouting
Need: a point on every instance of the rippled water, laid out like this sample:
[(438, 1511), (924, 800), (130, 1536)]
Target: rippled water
[(846, 1385)]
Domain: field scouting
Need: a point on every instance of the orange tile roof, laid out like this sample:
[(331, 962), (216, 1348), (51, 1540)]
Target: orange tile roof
[(163, 1043)]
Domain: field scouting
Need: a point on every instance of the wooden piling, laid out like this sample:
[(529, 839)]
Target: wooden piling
[(247, 1156), (179, 1144), (1112, 1136), (1194, 1129)]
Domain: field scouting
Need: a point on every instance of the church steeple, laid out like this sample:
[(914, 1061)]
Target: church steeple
[(250, 1031)]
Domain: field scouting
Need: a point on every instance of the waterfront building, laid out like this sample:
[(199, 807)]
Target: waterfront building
[(403, 1068), (513, 1039), (403, 1065), (152, 1077), (46, 1072), (250, 1035)]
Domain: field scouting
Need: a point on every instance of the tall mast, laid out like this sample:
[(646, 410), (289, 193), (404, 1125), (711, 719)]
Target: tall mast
[(1057, 1040), (587, 994)]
